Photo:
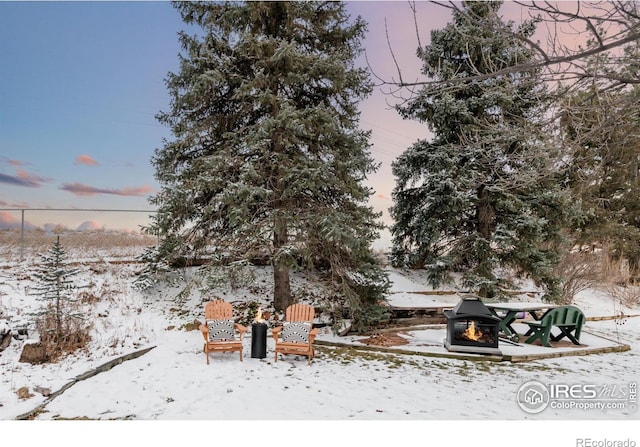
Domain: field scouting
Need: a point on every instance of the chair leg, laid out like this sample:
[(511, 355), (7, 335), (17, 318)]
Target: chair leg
[(546, 334), (533, 336), (311, 355), (576, 333), (573, 339), (566, 332), (538, 333), (206, 354)]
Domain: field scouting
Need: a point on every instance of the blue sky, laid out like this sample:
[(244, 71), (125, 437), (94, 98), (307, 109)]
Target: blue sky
[(81, 83), (79, 88)]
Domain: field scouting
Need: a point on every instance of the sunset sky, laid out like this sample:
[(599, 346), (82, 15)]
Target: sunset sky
[(81, 83)]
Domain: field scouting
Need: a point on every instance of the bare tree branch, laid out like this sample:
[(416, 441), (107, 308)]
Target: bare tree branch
[(412, 5), (604, 28), (393, 55)]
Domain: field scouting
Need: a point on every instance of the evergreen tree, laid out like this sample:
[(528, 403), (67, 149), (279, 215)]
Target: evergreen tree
[(483, 194), (54, 288), (604, 169), (267, 157)]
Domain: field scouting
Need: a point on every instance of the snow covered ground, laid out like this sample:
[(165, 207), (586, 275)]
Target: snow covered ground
[(373, 398)]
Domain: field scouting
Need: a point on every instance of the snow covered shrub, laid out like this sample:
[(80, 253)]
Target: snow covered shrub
[(627, 295), (365, 290), (618, 281), (155, 268), (578, 270)]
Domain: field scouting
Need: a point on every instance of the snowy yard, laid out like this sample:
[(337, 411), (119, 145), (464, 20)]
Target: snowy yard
[(172, 382)]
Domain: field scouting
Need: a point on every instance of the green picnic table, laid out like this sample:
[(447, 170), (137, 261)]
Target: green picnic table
[(509, 313)]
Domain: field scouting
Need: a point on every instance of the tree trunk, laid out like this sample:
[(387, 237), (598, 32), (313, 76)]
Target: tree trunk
[(281, 286), (58, 315), (484, 213)]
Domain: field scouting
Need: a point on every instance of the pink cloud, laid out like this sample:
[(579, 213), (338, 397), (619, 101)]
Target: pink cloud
[(23, 178), (87, 191), (86, 160), (383, 197), (11, 162), (35, 179)]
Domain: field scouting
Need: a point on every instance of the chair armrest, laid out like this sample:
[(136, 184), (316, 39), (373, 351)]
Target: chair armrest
[(275, 331), (205, 331), (240, 328), (313, 333)]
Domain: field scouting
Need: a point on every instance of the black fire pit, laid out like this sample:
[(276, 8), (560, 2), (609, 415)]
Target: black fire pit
[(471, 327), (258, 340)]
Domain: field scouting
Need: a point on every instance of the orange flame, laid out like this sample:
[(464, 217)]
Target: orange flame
[(471, 333), (259, 318)]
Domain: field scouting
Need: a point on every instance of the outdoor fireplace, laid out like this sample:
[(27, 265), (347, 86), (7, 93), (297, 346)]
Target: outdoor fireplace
[(471, 327)]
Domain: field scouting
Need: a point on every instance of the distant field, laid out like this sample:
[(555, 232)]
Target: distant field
[(80, 245)]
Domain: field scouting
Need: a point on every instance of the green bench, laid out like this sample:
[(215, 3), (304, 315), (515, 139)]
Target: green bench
[(568, 319)]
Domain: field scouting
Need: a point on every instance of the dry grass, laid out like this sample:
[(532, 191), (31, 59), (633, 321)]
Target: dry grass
[(97, 244), (73, 335)]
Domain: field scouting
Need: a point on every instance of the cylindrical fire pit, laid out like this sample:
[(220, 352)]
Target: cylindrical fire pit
[(258, 340)]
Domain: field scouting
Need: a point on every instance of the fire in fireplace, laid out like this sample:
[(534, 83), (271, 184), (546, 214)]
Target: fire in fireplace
[(471, 327)]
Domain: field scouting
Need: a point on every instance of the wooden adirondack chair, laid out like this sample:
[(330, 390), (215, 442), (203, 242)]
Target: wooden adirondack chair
[(219, 330), (296, 335)]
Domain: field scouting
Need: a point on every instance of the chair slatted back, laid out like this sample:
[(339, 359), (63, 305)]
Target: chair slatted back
[(299, 312), (548, 316), (218, 310), (559, 315), (575, 316), (564, 315)]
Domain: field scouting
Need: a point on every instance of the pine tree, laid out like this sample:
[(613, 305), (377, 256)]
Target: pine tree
[(54, 288), (267, 158), (604, 169), (482, 195)]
